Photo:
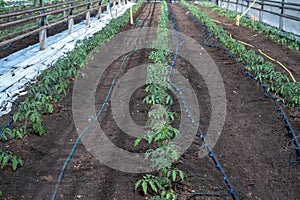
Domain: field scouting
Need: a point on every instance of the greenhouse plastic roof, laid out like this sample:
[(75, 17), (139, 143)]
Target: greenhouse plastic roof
[(23, 67)]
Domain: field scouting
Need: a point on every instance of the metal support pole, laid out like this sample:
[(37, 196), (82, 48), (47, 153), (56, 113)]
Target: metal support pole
[(261, 11), (281, 13)]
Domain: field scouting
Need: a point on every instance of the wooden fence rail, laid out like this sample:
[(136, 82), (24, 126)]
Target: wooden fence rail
[(39, 17)]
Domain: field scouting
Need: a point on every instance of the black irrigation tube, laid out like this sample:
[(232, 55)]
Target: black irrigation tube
[(6, 126), (211, 154), (284, 118), (288, 125), (95, 119)]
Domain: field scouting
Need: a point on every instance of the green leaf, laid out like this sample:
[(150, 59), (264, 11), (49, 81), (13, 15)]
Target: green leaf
[(137, 184), (137, 141), (14, 162), (144, 186), (16, 116), (163, 193), (181, 174), (20, 133), (5, 159), (168, 196), (174, 175), (154, 188)]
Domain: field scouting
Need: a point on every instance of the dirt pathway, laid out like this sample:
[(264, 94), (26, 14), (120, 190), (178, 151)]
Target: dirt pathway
[(290, 58), (253, 137), (249, 147), (85, 177)]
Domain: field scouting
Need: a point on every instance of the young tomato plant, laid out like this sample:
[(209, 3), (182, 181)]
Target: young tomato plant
[(264, 71), (51, 87), (160, 132)]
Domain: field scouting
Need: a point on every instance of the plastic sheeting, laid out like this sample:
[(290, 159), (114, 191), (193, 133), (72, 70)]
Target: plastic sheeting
[(21, 69)]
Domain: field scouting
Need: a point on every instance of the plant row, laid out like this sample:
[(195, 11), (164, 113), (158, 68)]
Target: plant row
[(51, 87), (286, 91), (160, 132), (285, 38)]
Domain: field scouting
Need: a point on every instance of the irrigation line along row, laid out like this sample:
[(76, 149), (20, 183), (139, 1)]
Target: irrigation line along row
[(288, 125), (95, 120), (211, 154), (284, 118), (280, 109)]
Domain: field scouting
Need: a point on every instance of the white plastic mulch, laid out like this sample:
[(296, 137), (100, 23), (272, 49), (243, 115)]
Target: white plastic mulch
[(23, 67)]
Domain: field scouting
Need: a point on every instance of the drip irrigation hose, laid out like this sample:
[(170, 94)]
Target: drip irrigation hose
[(211, 154), (284, 118), (80, 136), (95, 119), (280, 109), (6, 126)]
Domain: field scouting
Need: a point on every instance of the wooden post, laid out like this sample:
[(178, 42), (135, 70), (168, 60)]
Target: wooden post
[(42, 39), (88, 15), (99, 12), (71, 25), (131, 17), (71, 21), (100, 9), (228, 2), (237, 21), (108, 7), (253, 20), (64, 13), (42, 33), (88, 18)]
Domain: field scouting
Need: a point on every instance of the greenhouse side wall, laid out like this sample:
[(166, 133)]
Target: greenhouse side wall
[(283, 14)]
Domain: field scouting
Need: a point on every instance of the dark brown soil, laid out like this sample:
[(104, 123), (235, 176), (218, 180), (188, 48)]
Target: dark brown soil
[(290, 58), (252, 147), (253, 138)]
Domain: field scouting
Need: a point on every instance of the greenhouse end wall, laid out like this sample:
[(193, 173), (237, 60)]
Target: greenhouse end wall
[(283, 14)]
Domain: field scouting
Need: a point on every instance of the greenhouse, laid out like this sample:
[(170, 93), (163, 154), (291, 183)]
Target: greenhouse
[(158, 100)]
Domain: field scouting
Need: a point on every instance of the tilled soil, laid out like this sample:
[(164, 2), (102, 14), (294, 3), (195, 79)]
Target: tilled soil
[(252, 147), (253, 140)]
